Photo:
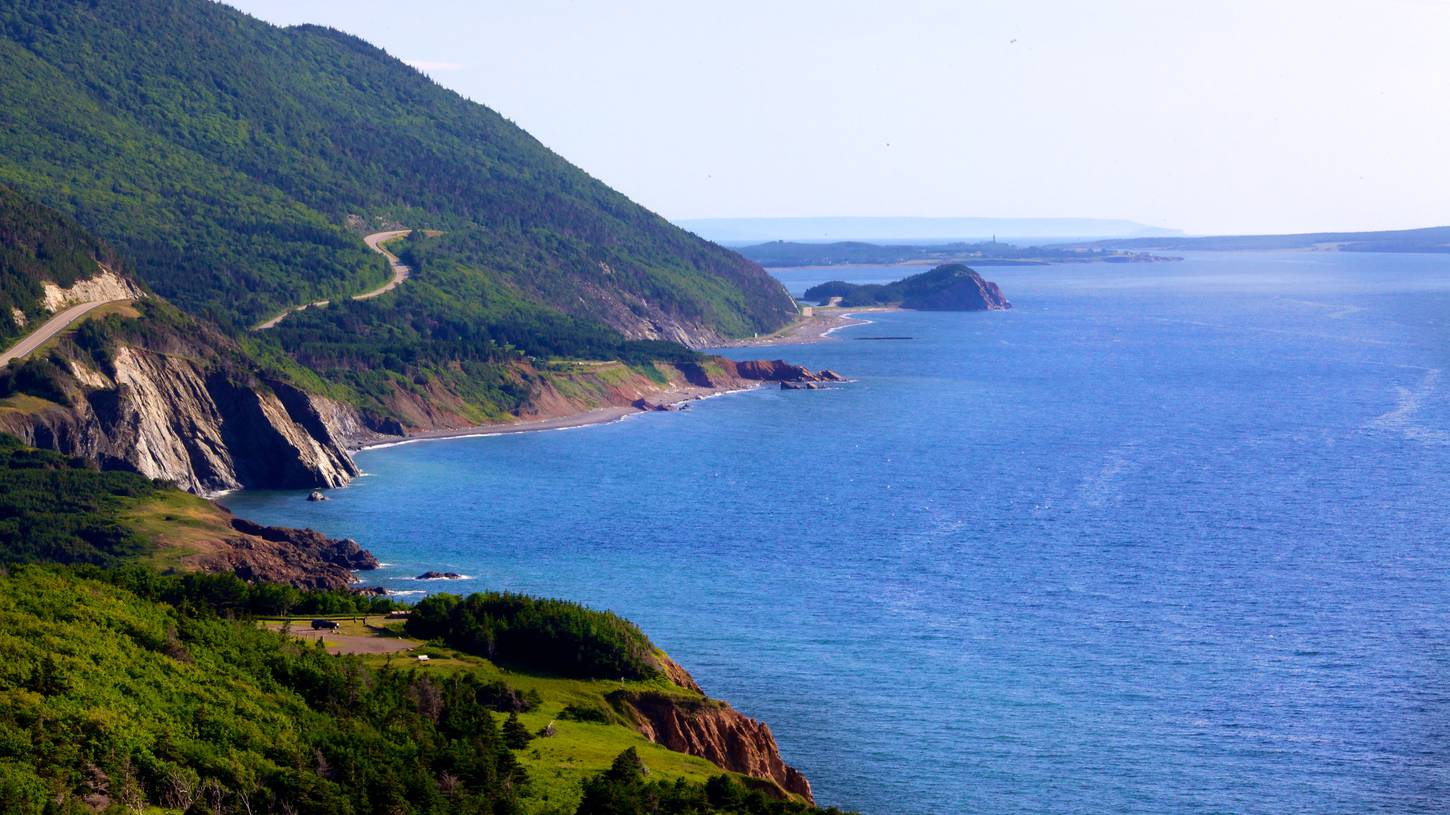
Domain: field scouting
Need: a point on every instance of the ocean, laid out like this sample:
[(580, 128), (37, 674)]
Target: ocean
[(1163, 538)]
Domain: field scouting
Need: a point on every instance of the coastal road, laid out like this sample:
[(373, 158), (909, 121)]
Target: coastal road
[(51, 327), (375, 242)]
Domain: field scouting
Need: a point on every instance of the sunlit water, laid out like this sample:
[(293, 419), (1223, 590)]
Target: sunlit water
[(1163, 538)]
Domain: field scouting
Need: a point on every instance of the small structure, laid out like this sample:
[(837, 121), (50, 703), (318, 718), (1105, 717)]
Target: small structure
[(422, 657), (398, 615), (323, 625)]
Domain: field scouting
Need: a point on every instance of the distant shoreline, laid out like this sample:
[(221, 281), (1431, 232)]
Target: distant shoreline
[(805, 330), (588, 418)]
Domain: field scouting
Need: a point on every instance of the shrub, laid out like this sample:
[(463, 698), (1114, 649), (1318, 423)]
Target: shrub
[(554, 636)]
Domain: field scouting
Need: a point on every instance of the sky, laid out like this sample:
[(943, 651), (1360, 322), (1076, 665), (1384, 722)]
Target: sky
[(1211, 116)]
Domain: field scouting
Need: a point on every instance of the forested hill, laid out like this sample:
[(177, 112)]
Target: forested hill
[(235, 163)]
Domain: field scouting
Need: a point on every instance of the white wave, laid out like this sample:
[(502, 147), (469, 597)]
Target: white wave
[(1106, 485), (1408, 403), (396, 593)]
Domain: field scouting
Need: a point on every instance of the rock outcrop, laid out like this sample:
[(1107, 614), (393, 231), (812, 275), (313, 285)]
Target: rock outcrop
[(790, 376), (206, 428), (104, 285), (298, 557), (695, 724), (714, 731)]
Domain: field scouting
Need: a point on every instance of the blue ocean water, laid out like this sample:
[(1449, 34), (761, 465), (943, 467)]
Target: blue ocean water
[(1164, 538)]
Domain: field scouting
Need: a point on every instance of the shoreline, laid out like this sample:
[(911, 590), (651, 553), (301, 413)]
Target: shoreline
[(805, 331), (808, 330), (589, 418)]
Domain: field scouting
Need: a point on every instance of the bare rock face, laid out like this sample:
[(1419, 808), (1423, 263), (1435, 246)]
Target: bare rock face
[(713, 731), (169, 417), (776, 370), (710, 729), (105, 285), (298, 557), (791, 377)]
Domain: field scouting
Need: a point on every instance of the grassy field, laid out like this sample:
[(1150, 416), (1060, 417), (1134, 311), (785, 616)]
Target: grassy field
[(180, 525), (557, 764)]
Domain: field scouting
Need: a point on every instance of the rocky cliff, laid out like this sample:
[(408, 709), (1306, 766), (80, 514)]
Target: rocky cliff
[(207, 427), (298, 557), (714, 731)]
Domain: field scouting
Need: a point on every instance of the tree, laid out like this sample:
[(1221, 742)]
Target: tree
[(515, 735)]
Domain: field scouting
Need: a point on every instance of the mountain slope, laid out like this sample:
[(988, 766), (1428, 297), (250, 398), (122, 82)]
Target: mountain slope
[(138, 384), (225, 156)]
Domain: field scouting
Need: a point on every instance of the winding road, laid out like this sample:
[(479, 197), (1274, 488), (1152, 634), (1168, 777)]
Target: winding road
[(50, 328), (375, 242), (60, 321)]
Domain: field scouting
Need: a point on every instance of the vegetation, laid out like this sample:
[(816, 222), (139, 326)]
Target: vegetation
[(939, 288), (623, 789), (125, 686), (474, 334), (224, 156), (38, 245), (110, 698), (537, 634), (58, 510)]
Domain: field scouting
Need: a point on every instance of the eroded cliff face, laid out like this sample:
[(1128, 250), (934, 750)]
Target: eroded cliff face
[(298, 557), (104, 285), (712, 730), (202, 426)]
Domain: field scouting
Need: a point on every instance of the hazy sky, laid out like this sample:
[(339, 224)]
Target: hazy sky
[(1209, 116)]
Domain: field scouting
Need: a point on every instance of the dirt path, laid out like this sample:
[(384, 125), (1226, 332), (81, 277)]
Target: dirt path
[(352, 638), (375, 242), (51, 327)]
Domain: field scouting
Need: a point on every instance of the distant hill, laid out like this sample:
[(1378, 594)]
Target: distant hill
[(984, 253), (736, 231), (949, 287), (1428, 239), (236, 163)]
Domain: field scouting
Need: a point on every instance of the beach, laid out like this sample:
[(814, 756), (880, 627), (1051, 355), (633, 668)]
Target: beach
[(815, 328), (601, 415)]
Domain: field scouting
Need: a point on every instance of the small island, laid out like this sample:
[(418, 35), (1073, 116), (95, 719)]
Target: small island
[(949, 287)]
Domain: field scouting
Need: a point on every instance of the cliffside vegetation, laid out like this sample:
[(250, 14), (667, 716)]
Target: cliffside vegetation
[(225, 156), (625, 789), (122, 686), (538, 634), (38, 245), (112, 699), (54, 510)]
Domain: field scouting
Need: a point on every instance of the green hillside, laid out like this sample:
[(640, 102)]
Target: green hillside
[(38, 245), (124, 689), (224, 157)]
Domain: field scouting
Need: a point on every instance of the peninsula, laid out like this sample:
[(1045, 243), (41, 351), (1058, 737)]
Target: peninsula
[(949, 287)]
